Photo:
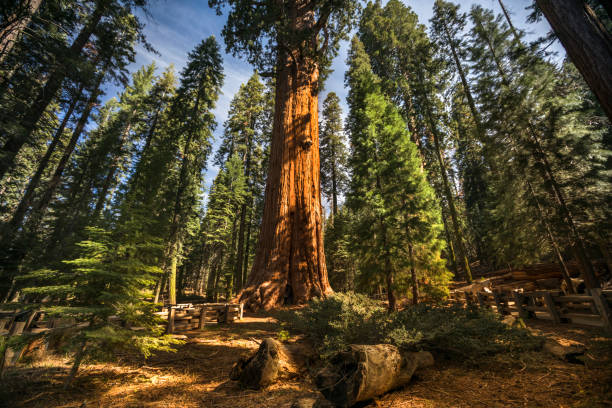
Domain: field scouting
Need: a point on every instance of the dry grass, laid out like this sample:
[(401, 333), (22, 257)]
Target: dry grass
[(197, 376)]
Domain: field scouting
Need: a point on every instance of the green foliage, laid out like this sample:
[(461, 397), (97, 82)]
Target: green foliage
[(397, 215), (104, 287), (463, 335)]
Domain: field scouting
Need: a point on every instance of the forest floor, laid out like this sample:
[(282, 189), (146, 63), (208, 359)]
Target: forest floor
[(198, 376)]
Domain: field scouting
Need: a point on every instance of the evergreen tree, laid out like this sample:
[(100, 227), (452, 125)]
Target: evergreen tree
[(193, 123), (398, 216), (333, 151), (104, 288)]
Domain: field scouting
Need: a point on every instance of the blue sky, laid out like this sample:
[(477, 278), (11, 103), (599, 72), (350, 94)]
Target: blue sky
[(175, 27)]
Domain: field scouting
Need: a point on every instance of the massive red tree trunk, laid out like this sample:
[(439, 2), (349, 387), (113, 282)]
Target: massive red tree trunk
[(289, 265), (588, 44)]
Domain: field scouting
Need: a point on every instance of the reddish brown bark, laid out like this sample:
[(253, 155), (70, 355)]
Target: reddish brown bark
[(289, 265), (588, 44)]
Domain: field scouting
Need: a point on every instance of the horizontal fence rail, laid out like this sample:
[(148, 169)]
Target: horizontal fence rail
[(591, 309)]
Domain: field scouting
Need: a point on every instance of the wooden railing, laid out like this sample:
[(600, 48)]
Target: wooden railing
[(188, 317), (592, 309)]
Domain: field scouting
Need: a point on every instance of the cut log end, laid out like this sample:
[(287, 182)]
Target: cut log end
[(273, 360), (365, 371)]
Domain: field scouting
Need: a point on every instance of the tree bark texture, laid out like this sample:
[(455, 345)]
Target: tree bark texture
[(15, 24), (366, 371), (289, 265), (588, 44), (272, 361)]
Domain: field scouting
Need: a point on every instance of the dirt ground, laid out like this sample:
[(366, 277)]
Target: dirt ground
[(197, 376)]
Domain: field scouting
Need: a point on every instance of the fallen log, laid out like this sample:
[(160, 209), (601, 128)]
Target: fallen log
[(365, 371), (273, 360)]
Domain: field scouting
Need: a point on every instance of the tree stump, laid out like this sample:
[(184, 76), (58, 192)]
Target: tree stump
[(273, 360), (365, 371)]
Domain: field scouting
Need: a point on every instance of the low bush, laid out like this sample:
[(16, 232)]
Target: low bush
[(449, 331)]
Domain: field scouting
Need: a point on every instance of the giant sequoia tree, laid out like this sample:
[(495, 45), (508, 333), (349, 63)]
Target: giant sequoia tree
[(587, 42), (296, 40)]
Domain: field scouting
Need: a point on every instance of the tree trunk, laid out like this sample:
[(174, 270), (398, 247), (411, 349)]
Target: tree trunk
[(451, 247), (272, 361), (15, 25), (451, 204), (466, 86), (366, 371), (289, 264), (587, 43), (76, 364), (334, 186), (245, 265), (41, 207), (540, 156), (16, 140), (413, 277)]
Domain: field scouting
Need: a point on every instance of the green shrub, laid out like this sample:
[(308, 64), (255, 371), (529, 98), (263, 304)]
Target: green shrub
[(449, 331)]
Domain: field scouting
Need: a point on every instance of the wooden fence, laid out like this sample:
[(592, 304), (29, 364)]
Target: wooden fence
[(189, 316), (179, 318), (592, 309)]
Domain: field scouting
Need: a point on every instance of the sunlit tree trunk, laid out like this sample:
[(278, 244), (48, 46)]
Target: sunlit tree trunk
[(289, 265)]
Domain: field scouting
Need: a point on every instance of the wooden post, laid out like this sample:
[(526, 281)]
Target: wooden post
[(241, 311), (552, 310), (17, 328), (518, 301), (498, 303), (30, 319), (601, 303), (227, 313), (171, 312), (202, 317), (481, 301)]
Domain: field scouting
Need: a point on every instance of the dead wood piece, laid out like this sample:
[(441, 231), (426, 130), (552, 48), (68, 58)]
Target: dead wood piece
[(566, 353), (363, 372), (273, 360), (312, 403)]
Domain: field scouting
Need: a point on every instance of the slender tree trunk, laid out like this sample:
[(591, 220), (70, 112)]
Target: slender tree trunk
[(238, 264), (174, 251), (289, 263), (451, 247), (110, 176), (233, 261), (245, 266), (390, 283), (26, 200), (10, 32), (76, 364), (451, 204), (508, 19), (540, 156), (334, 184), (413, 277), (587, 43), (16, 140), (40, 208), (466, 85)]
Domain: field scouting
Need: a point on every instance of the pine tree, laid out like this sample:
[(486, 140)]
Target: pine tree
[(410, 78), (398, 216), (104, 288), (333, 151), (193, 124), (247, 132)]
